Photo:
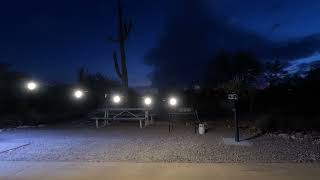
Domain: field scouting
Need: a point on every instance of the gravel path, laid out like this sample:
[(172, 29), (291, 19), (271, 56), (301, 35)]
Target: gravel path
[(153, 144)]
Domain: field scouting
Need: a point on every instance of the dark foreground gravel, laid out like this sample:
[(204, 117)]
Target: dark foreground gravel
[(124, 142)]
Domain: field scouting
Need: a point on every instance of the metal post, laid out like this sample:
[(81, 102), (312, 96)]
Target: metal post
[(169, 122), (106, 112), (236, 123), (146, 117), (105, 117), (97, 123)]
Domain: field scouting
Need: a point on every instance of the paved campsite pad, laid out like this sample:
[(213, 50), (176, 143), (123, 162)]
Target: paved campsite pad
[(7, 146), (108, 170)]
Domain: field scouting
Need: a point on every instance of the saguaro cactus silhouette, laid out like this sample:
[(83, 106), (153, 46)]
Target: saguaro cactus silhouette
[(123, 32)]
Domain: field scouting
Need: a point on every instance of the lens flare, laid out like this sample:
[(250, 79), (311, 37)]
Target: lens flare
[(147, 101), (173, 101), (78, 94), (116, 99), (31, 86)]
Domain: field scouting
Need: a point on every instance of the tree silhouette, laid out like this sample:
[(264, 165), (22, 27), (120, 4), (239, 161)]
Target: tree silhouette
[(227, 66), (274, 72)]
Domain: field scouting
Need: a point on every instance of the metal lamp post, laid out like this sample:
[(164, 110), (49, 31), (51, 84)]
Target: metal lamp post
[(234, 98)]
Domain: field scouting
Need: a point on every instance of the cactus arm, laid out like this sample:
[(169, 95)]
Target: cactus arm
[(116, 65), (125, 35), (127, 29)]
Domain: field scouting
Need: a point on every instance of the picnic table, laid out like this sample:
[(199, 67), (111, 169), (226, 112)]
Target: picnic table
[(142, 115)]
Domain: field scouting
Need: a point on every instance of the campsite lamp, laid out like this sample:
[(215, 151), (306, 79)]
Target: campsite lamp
[(32, 86), (173, 101), (147, 101), (78, 93), (116, 99)]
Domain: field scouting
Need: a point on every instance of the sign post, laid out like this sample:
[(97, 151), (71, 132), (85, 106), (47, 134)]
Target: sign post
[(234, 98)]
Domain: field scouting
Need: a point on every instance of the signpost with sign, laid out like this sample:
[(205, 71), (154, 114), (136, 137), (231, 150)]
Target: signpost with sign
[(234, 98)]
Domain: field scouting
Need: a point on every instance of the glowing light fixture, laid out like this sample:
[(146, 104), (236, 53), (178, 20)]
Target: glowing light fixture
[(116, 99), (31, 86), (173, 101), (147, 101), (78, 94)]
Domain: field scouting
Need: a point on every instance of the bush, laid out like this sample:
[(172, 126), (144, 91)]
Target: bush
[(10, 121), (264, 122), (285, 122)]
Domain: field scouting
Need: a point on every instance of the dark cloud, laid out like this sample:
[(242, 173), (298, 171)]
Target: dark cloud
[(192, 37)]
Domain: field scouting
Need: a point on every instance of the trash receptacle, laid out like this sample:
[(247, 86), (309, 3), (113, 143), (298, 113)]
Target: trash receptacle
[(201, 129)]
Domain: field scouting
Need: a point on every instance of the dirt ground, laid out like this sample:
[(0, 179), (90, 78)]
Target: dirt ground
[(125, 142)]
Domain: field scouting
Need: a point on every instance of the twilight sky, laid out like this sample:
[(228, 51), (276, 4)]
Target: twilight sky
[(51, 39)]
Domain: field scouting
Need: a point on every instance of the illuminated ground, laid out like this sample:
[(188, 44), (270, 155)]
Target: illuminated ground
[(128, 143)]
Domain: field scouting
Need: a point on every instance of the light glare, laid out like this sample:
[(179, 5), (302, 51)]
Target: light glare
[(147, 101), (173, 101), (32, 85), (78, 94), (116, 99)]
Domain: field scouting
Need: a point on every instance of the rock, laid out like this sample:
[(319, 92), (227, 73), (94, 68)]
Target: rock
[(299, 135), (293, 137), (313, 157), (284, 135), (316, 142), (272, 135), (306, 136)]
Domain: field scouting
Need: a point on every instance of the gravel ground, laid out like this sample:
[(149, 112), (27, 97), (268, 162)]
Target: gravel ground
[(125, 142)]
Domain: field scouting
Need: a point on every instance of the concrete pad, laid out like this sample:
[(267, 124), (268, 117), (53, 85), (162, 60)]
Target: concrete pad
[(232, 142), (156, 171), (5, 146), (9, 169)]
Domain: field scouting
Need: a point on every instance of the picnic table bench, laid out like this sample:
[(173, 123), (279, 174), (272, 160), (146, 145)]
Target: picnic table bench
[(142, 115)]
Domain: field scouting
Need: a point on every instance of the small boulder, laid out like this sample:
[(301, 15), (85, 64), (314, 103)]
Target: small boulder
[(284, 135), (293, 137), (299, 135), (316, 142), (306, 136)]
